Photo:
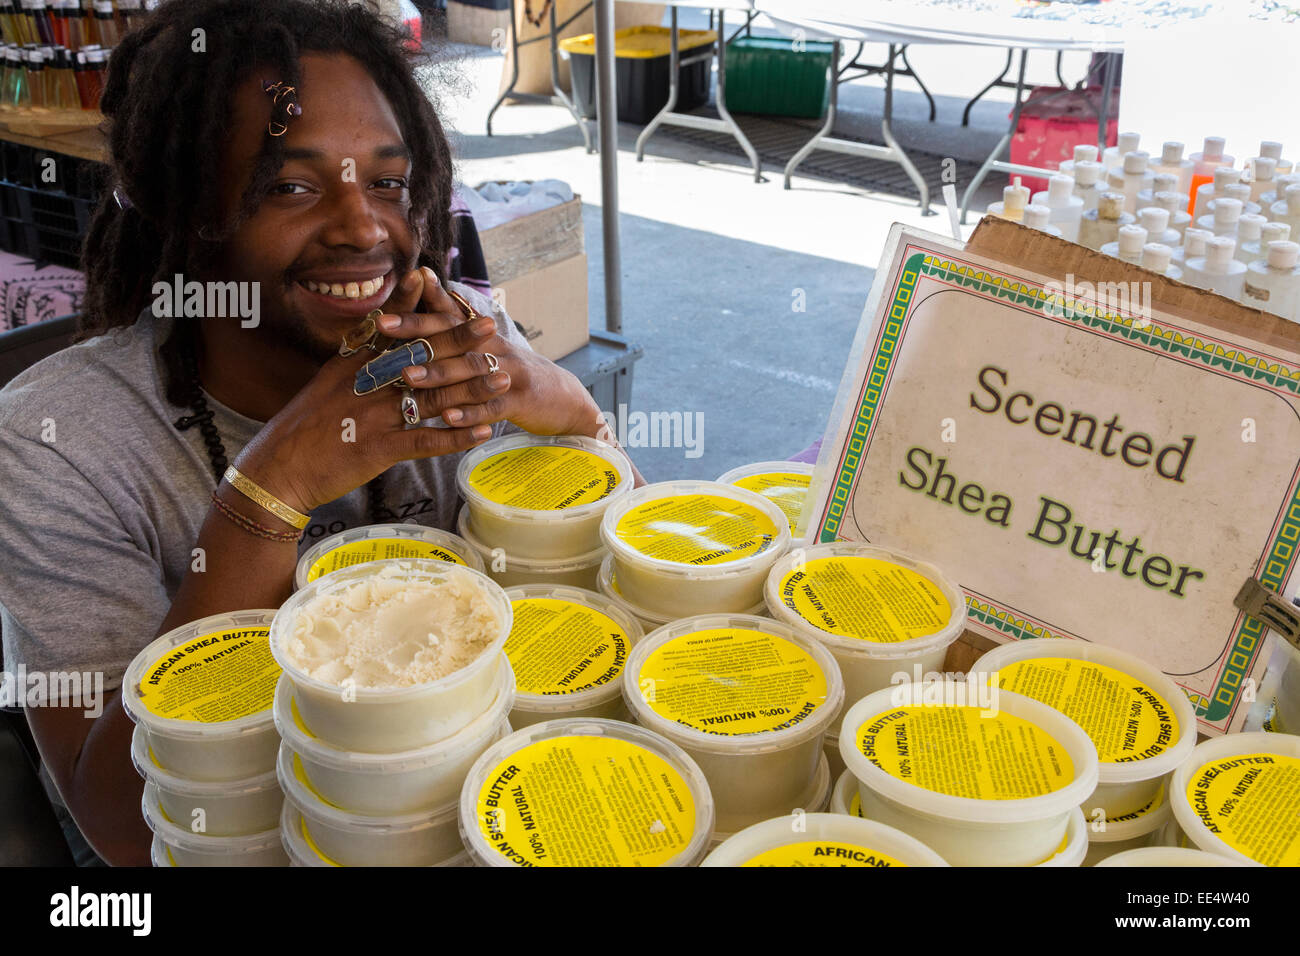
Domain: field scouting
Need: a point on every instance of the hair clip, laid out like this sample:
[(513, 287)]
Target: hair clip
[(278, 91), (121, 198)]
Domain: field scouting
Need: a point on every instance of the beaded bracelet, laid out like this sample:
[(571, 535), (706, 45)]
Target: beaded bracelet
[(251, 526)]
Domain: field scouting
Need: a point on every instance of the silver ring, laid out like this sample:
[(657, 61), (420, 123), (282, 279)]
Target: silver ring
[(493, 364), (410, 410)]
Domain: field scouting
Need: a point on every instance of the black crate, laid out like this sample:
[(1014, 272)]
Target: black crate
[(604, 366), (642, 83)]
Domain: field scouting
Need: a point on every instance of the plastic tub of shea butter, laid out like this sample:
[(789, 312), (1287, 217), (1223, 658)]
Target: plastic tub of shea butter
[(748, 698), (607, 582), (183, 847), (815, 798), (392, 783), (383, 542), (981, 787), (1145, 826), (202, 695), (1071, 852), (1286, 713), (1239, 796), (826, 839), (568, 647), (422, 838), (582, 791), (694, 547), (542, 497), (392, 655), (302, 849), (510, 570), (216, 808), (783, 482), (880, 612), (1141, 723), (1167, 856)]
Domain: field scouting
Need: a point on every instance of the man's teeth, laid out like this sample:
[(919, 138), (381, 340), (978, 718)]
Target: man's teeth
[(347, 290)]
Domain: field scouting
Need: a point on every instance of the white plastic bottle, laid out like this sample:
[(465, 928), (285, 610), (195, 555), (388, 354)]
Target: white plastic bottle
[(1204, 163), (1193, 247), (1239, 192), (1083, 153), (1087, 183), (1101, 225), (1287, 210), (1114, 155), (1040, 218), (1015, 198), (1273, 283), (1224, 177), (1128, 245), (1131, 178), (1176, 205), (1268, 232), (1280, 182), (1172, 162), (1157, 257), (1156, 222), (1224, 220), (1066, 208), (1160, 182), (1217, 270), (1249, 229), (1262, 170)]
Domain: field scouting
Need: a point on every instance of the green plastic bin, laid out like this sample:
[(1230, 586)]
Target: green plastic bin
[(773, 76)]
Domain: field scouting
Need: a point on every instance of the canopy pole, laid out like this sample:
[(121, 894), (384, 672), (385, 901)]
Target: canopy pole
[(607, 125)]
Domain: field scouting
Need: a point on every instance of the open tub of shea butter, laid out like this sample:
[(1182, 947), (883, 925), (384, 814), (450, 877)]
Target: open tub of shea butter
[(1168, 856), (568, 647), (383, 542), (1141, 723), (510, 570), (785, 483), (1239, 796), (183, 847), (390, 784), (826, 839), (392, 655), (747, 698), (202, 695), (582, 791), (422, 838), (1145, 826), (217, 808), (303, 851), (982, 786), (880, 612), (542, 498), (694, 547), (1071, 852)]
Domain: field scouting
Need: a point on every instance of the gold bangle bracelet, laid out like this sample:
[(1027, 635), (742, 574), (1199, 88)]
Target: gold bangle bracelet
[(255, 492)]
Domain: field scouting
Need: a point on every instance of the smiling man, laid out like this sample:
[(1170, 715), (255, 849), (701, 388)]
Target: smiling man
[(283, 145)]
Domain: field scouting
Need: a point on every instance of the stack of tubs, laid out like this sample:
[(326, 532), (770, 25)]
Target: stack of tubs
[(372, 775), (533, 506), (206, 744)]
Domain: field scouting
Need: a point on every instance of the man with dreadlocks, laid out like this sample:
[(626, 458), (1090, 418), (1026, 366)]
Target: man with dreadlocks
[(277, 142)]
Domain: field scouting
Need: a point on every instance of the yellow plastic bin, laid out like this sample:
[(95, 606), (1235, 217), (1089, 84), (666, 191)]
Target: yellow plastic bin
[(641, 58)]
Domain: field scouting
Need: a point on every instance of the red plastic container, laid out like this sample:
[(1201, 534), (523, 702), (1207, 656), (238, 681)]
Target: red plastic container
[(1050, 128)]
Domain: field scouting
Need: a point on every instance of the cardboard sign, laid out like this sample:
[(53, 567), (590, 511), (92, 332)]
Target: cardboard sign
[(1085, 463)]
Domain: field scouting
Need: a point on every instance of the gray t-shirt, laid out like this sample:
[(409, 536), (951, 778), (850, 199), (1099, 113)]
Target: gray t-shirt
[(102, 498)]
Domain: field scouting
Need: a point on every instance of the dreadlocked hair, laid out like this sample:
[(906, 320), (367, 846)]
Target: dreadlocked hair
[(167, 103)]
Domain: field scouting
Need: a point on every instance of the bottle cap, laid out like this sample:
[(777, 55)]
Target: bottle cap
[(1037, 216), (1015, 196), (1249, 226), (1153, 219), (1171, 201), (1283, 255), (1219, 251), (1085, 153), (1225, 176), (1087, 172), (1155, 256), (1274, 232), (1262, 168), (1059, 190), (1110, 205), (1131, 240), (1171, 154), (1293, 199), (1194, 241), (1128, 142), (1270, 148), (1163, 182), (1213, 148), (1135, 163), (1226, 211)]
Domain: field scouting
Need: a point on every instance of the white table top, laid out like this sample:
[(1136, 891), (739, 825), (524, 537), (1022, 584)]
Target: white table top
[(746, 5)]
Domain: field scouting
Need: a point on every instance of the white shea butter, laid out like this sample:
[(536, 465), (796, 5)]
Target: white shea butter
[(390, 631)]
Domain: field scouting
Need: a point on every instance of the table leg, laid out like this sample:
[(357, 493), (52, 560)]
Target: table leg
[(731, 125), (559, 93), (673, 57), (913, 74), (965, 114), (1107, 90), (825, 130), (514, 73), (1002, 143), (886, 132)]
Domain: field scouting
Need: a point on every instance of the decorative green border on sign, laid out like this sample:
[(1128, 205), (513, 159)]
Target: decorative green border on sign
[(1252, 369)]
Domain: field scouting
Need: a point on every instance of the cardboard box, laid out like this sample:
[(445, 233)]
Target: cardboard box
[(551, 305), (521, 246), (481, 26)]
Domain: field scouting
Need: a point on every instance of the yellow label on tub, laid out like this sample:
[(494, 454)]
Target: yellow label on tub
[(585, 801), (786, 489), (1252, 803), (559, 647), (732, 681), (544, 478), (1125, 718), (866, 598), (220, 676), (379, 549), (697, 529), (822, 853), (956, 751)]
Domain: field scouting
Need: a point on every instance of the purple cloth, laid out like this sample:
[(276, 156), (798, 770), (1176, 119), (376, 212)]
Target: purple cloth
[(809, 454)]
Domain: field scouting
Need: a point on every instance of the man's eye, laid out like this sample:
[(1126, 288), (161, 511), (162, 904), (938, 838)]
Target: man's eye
[(391, 182), (288, 189)]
